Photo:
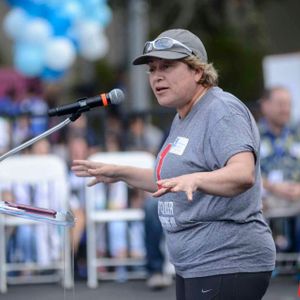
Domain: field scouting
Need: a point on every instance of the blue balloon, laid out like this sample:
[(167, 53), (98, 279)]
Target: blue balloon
[(54, 3), (101, 14), (73, 39), (52, 75), (29, 59), (33, 8), (60, 22), (15, 2), (95, 2)]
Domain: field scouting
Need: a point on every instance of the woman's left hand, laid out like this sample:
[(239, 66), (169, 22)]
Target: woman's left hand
[(184, 183)]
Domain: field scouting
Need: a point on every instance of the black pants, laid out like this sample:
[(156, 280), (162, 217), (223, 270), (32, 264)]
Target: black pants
[(239, 286)]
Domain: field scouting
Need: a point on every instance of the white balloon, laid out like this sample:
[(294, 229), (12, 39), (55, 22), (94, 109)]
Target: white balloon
[(73, 9), (60, 54), (37, 31), (14, 23), (87, 31), (96, 49)]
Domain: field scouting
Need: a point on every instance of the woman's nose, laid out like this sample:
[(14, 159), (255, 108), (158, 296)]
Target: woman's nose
[(157, 74)]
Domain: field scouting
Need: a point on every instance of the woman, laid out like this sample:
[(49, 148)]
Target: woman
[(207, 177)]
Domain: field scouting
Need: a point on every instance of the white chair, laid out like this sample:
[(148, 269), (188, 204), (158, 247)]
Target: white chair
[(102, 216), (37, 170)]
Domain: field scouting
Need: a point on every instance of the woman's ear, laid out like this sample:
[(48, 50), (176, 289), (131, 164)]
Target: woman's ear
[(198, 74)]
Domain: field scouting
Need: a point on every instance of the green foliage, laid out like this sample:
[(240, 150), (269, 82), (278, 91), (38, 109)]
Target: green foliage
[(233, 34), (105, 77), (232, 31), (239, 66)]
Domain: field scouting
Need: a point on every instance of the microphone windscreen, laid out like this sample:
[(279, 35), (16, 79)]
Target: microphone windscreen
[(116, 96)]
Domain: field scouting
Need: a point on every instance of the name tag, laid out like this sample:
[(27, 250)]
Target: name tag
[(275, 176), (179, 145)]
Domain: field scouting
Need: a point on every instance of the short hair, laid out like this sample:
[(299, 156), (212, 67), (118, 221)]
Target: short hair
[(267, 92), (210, 74)]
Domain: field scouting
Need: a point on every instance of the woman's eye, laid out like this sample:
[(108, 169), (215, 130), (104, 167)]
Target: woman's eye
[(151, 70)]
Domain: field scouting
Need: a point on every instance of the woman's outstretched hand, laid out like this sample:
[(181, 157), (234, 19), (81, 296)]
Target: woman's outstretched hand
[(101, 172), (184, 183)]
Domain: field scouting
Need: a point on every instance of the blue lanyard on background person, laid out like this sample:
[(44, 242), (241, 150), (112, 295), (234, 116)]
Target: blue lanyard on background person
[(279, 142)]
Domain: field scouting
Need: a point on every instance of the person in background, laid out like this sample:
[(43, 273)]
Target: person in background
[(9, 110), (82, 128), (34, 104), (280, 164), (142, 135), (10, 103), (207, 177)]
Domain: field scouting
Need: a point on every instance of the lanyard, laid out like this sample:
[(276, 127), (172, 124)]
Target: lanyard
[(279, 142)]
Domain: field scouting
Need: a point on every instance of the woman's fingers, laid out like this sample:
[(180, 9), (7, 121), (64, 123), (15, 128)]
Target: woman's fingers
[(81, 163), (189, 195), (166, 183), (84, 168), (160, 192), (87, 164), (174, 186), (93, 182), (102, 172), (81, 171)]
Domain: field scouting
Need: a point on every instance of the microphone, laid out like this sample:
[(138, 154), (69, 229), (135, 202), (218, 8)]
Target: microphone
[(114, 97)]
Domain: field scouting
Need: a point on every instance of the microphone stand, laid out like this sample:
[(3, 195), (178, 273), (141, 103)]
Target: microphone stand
[(70, 119)]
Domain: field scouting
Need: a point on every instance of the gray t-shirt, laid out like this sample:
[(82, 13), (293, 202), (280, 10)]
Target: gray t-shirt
[(213, 235)]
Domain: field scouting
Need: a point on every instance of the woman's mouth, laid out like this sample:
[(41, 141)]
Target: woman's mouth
[(160, 90)]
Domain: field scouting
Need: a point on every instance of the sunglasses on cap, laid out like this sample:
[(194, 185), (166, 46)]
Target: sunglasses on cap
[(164, 43)]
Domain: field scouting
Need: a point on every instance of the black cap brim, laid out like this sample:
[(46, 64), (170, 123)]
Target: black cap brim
[(144, 59)]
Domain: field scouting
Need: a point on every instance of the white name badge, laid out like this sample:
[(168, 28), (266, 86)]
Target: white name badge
[(179, 145), (275, 176)]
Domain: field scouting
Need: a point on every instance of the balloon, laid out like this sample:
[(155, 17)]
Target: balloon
[(52, 75), (17, 2), (54, 3), (59, 54), (96, 49), (29, 59), (101, 14), (38, 30), (39, 1), (86, 31), (73, 10), (95, 2), (59, 20), (14, 23), (92, 41), (33, 7)]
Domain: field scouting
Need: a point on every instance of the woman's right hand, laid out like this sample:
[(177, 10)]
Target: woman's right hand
[(106, 173)]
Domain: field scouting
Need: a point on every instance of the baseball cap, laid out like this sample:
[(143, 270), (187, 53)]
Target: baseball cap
[(185, 43)]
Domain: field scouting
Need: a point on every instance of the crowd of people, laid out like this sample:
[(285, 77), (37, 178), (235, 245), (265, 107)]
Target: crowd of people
[(79, 140), (232, 157)]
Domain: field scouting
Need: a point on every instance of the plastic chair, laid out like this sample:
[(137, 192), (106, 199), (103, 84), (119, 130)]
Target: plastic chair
[(102, 216), (37, 170)]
